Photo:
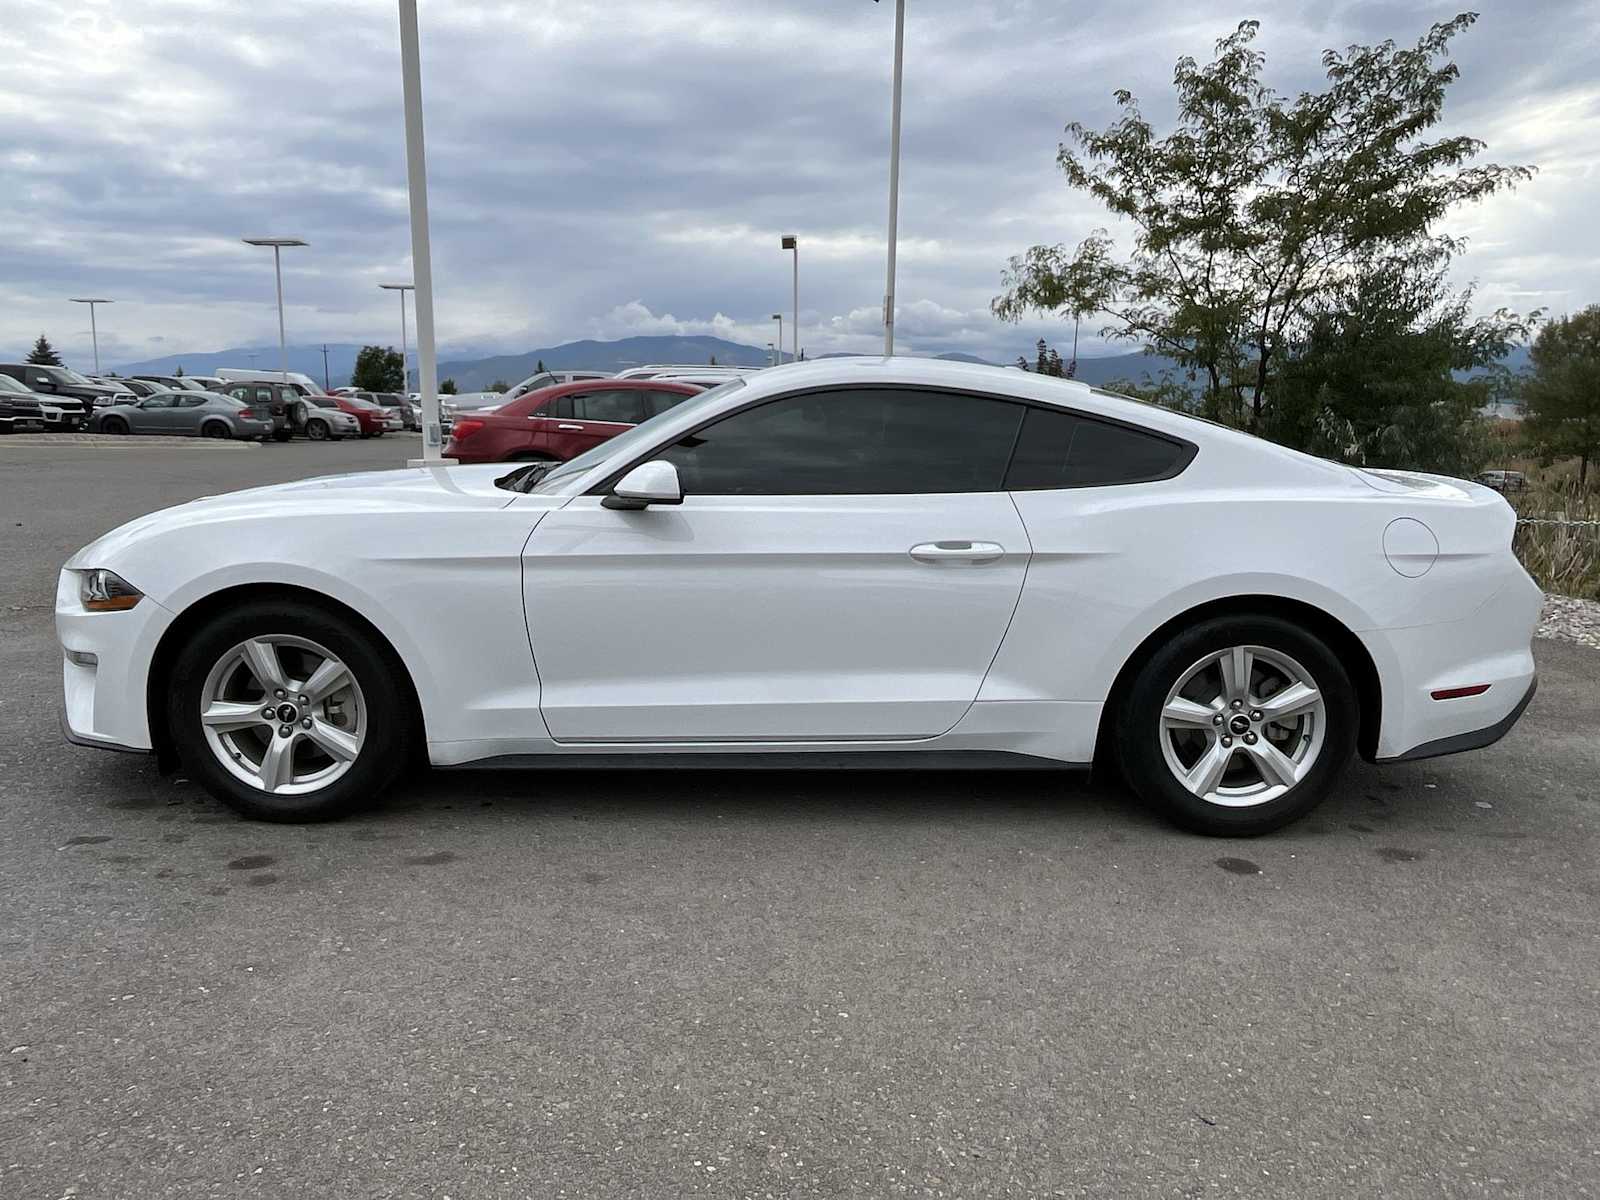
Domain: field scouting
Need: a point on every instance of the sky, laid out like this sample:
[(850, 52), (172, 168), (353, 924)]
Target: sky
[(602, 168)]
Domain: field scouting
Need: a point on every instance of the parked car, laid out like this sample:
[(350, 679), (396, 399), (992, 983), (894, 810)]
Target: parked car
[(19, 406), (700, 370), (558, 423), (1503, 481), (540, 380), (321, 418), (882, 558), (306, 385), (467, 402), (394, 402), (374, 419), (277, 399), (210, 383), (186, 413), (173, 383), (65, 397), (123, 387)]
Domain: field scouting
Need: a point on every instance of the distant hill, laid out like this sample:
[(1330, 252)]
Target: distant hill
[(475, 375), (305, 359)]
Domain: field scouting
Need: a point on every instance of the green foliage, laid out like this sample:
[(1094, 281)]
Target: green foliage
[(178, 371), (378, 369), (448, 388), (44, 354), (499, 385), (1562, 395), (539, 368), (1368, 380), (1257, 210), (1047, 362)]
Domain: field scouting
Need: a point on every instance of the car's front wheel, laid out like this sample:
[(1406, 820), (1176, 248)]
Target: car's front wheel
[(317, 430), (1238, 725), (287, 712)]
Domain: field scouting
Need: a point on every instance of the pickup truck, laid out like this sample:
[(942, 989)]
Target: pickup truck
[(65, 397)]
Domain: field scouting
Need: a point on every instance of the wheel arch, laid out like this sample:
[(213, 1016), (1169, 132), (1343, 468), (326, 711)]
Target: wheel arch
[(203, 609), (1352, 653)]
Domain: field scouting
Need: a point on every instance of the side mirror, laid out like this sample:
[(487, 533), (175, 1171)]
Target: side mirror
[(648, 483), (44, 385)]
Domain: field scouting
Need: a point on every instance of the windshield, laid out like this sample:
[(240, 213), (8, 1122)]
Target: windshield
[(66, 375), (639, 435), (8, 384)]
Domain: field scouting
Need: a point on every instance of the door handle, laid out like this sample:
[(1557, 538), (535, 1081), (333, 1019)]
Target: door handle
[(957, 551), (573, 428)]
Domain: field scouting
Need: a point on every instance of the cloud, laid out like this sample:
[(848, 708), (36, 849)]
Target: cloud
[(600, 167)]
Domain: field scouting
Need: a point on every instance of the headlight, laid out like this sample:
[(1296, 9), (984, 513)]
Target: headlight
[(106, 591)]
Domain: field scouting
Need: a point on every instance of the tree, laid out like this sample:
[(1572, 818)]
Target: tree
[(447, 388), (378, 369), (1370, 380), (1562, 395), (499, 385), (713, 361), (539, 369), (1257, 208), (177, 372), (44, 354)]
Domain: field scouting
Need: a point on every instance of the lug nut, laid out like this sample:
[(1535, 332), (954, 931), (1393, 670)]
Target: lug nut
[(1255, 714), (306, 724), (1236, 703), (285, 730), (279, 695), (305, 699), (267, 713), (1217, 720), (1250, 739), (1227, 741)]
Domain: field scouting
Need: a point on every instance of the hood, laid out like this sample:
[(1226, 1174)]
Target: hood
[(307, 500)]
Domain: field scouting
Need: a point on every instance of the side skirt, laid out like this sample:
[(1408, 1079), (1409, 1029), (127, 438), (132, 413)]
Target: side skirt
[(822, 760)]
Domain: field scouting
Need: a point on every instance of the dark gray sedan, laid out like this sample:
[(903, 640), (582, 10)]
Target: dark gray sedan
[(186, 414)]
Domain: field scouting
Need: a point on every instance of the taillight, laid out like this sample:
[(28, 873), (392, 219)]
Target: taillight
[(465, 427), (249, 414)]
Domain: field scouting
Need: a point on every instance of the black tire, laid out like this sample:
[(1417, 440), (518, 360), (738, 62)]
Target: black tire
[(317, 430), (114, 425), (216, 429), (531, 456), (282, 435), (378, 433), (391, 721), (1139, 735)]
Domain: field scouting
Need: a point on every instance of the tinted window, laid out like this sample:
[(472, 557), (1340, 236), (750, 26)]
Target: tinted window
[(556, 406), (1061, 450), (162, 401), (879, 441), (623, 407), (193, 401), (656, 403)]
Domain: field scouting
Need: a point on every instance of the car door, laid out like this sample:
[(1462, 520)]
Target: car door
[(843, 567), (585, 419), (188, 413), (154, 414)]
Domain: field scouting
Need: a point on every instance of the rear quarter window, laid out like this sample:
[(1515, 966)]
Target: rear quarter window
[(1058, 449)]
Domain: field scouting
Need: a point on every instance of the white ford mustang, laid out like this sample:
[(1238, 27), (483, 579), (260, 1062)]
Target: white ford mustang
[(836, 562)]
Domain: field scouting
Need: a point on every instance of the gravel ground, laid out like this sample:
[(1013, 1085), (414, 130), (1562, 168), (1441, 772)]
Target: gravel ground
[(111, 441), (1571, 619)]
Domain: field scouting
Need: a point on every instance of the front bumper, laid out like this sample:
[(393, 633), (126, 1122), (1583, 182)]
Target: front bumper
[(104, 680)]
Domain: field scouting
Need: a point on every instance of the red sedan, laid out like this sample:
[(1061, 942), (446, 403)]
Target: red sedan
[(561, 422), (374, 419)]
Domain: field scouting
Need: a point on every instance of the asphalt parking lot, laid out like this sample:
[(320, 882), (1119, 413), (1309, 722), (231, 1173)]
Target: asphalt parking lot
[(743, 984)]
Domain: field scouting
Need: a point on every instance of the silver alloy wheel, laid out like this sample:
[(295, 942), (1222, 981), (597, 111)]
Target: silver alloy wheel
[(1242, 726), (283, 714)]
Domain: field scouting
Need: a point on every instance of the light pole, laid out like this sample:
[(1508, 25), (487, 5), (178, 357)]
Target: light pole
[(277, 244), (791, 242), (421, 262), (94, 331), (894, 173), (405, 356), (778, 317), (774, 353)]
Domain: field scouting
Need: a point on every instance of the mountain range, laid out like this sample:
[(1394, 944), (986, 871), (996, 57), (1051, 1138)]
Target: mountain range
[(478, 374)]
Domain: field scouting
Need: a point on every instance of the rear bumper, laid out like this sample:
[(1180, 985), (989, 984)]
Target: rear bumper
[(1475, 739)]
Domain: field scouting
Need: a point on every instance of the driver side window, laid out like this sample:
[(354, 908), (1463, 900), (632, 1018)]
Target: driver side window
[(854, 441)]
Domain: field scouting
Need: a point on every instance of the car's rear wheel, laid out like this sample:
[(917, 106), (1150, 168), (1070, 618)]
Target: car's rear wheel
[(287, 712), (531, 456), (317, 430), (1238, 725), (215, 429), (113, 425)]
